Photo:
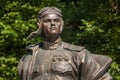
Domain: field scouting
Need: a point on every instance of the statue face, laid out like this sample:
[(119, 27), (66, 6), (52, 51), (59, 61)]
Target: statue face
[(51, 24)]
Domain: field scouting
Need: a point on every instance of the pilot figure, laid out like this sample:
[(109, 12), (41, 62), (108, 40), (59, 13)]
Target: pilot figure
[(53, 59)]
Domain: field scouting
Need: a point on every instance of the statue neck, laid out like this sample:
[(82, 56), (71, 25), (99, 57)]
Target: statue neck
[(52, 44)]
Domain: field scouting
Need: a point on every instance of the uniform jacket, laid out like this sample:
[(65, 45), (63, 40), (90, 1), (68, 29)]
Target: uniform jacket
[(67, 62)]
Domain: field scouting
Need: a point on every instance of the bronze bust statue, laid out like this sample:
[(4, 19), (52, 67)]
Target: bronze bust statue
[(54, 59)]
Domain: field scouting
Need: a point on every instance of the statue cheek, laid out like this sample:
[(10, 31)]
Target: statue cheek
[(46, 29)]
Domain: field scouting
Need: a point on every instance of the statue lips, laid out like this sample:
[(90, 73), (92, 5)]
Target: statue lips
[(53, 28)]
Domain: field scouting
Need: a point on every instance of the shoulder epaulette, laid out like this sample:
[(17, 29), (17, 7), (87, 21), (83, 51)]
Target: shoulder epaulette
[(33, 47), (72, 47)]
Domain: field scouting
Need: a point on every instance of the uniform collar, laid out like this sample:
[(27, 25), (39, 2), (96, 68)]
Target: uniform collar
[(52, 45)]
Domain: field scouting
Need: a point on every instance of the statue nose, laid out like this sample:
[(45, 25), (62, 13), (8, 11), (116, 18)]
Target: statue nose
[(52, 22)]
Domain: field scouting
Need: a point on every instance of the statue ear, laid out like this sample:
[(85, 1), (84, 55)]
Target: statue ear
[(62, 26), (39, 24)]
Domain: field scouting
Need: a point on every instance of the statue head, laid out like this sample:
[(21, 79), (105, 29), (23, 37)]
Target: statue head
[(50, 21)]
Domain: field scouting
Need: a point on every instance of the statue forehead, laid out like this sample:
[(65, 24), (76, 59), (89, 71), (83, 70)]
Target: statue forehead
[(51, 16)]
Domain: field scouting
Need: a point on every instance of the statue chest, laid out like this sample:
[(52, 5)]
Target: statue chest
[(51, 64)]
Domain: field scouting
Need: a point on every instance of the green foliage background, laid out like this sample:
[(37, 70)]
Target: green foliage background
[(94, 24)]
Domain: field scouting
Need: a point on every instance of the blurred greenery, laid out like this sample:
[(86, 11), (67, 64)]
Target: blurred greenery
[(94, 24)]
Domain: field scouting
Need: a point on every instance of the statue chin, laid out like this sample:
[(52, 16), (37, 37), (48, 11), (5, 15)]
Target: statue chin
[(52, 34)]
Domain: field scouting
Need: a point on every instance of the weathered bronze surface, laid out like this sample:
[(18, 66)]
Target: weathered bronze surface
[(53, 59)]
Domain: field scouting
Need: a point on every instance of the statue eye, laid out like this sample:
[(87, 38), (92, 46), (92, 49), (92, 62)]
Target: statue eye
[(47, 20), (57, 20)]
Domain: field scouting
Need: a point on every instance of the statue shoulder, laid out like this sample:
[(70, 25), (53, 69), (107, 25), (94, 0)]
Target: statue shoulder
[(72, 47), (26, 59), (33, 47)]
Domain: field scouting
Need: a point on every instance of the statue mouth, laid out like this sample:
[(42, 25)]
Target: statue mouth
[(53, 28)]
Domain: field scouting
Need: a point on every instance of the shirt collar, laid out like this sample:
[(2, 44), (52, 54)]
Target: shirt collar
[(53, 45)]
